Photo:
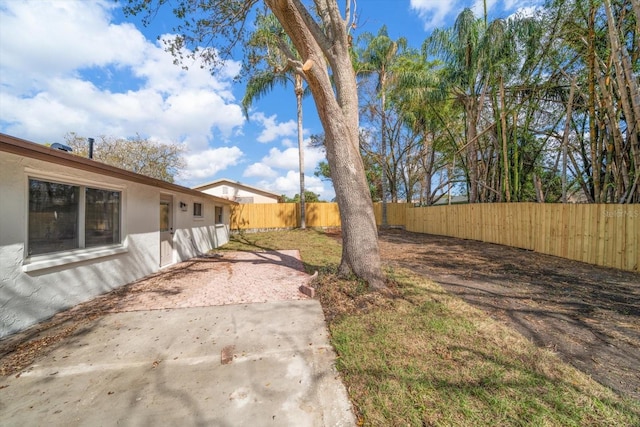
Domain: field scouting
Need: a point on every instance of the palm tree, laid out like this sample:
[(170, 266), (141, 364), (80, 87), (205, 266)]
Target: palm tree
[(427, 115), (377, 59), (460, 49), (270, 44)]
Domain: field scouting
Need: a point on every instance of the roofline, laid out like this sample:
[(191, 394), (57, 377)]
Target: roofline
[(237, 183), (22, 147)]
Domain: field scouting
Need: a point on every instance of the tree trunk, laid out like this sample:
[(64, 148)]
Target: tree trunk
[(627, 84), (338, 112), (537, 183), (636, 11), (299, 91), (505, 156), (593, 138), (565, 139), (383, 149), (472, 151)]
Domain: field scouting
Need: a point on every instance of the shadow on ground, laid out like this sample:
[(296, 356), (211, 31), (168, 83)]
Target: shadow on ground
[(589, 315)]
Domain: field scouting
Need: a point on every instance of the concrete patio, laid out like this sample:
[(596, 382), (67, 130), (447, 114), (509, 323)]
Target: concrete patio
[(213, 341)]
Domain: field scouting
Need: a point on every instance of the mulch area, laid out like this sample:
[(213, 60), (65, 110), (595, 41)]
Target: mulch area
[(588, 315)]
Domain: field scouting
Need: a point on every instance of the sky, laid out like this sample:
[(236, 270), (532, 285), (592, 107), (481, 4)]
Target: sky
[(82, 66)]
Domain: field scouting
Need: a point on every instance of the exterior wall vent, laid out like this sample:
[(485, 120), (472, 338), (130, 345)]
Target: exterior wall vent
[(61, 147)]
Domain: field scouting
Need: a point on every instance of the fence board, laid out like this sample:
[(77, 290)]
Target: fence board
[(607, 235)]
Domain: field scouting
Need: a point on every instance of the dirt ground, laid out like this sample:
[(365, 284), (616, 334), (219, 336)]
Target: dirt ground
[(588, 315)]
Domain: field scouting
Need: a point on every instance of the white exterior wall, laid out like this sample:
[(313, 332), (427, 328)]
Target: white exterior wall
[(233, 192), (32, 291), (196, 236)]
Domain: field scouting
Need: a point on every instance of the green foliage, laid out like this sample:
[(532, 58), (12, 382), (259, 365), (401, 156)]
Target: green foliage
[(483, 103), (309, 196), (323, 171)]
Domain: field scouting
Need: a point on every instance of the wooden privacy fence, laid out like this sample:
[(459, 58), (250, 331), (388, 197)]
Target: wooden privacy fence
[(283, 215), (607, 235)]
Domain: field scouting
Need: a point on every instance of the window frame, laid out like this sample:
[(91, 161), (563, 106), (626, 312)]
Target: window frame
[(201, 214), (81, 253), (88, 245), (219, 209)]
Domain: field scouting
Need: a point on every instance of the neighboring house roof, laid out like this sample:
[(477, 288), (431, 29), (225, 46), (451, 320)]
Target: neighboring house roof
[(235, 184), (454, 200), (33, 150)]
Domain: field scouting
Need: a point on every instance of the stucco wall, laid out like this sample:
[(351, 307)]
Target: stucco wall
[(195, 236), (27, 297)]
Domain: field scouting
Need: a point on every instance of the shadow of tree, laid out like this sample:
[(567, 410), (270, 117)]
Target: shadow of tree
[(589, 314)]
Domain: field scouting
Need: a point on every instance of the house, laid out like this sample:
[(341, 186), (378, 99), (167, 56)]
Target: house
[(238, 192), (73, 228)]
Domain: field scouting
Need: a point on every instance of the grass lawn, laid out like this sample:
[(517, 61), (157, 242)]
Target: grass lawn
[(418, 356)]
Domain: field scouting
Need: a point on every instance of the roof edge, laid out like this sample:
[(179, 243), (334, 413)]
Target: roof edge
[(37, 151), (202, 187)]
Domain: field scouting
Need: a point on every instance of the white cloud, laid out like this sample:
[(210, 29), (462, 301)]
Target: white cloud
[(433, 12), (272, 129), (316, 185), (478, 7), (56, 37), (290, 186), (58, 62), (527, 12), (207, 163), (288, 142), (289, 158), (289, 183), (442, 13), (259, 170), (68, 67)]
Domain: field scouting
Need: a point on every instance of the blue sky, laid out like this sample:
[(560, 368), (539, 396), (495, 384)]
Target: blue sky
[(81, 66)]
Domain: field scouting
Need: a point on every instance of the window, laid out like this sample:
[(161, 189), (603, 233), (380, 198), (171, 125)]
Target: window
[(102, 217), (218, 215), (197, 210), (225, 190), (53, 217), (165, 213), (63, 217)]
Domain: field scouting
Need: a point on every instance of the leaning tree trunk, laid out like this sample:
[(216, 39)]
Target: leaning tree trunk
[(627, 86), (338, 112)]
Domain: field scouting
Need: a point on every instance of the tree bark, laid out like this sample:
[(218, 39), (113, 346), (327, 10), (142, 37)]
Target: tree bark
[(505, 158), (299, 92), (472, 150), (338, 111), (383, 149), (593, 138), (627, 83), (565, 139)]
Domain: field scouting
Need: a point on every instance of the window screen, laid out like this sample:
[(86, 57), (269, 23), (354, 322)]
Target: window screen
[(53, 217), (102, 217)]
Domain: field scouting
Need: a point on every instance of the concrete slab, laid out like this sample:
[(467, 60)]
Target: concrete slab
[(165, 367)]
